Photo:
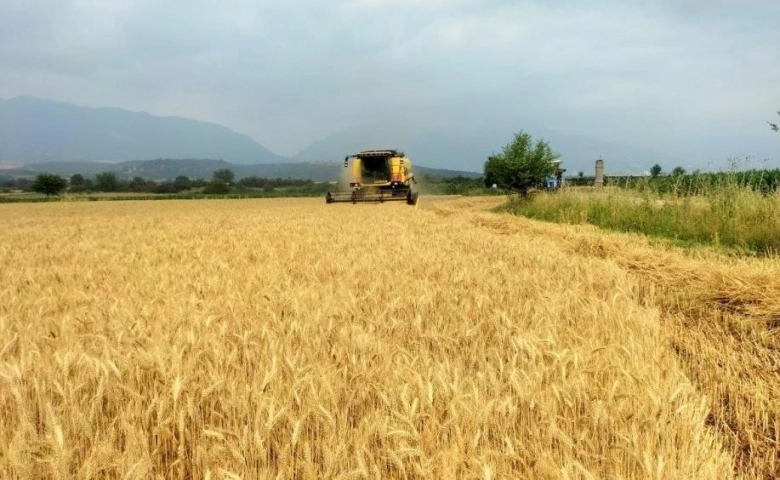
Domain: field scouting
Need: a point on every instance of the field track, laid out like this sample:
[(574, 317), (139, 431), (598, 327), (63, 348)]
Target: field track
[(256, 338)]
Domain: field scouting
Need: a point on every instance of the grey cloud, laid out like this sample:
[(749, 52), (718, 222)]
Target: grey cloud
[(289, 73)]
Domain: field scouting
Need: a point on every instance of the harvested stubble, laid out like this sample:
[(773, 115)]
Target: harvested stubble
[(287, 337)]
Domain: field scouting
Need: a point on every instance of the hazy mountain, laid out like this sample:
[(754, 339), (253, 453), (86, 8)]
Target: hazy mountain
[(36, 130), (164, 169), (466, 146), (42, 131)]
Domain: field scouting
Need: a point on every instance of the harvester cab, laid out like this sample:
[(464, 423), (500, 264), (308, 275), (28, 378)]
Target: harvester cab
[(377, 176)]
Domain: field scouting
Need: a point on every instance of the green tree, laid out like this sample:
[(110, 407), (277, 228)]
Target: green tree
[(521, 165), (106, 182), (216, 188), (220, 182), (678, 171), (182, 183), (78, 183), (49, 184), (77, 180), (581, 174), (165, 187), (656, 170), (224, 175), (138, 184)]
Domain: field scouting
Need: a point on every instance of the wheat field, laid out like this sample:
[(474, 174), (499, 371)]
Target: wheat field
[(287, 338)]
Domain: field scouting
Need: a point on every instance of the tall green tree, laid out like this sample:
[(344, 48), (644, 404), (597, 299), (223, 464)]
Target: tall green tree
[(224, 175), (49, 184), (521, 165), (182, 182), (106, 182), (138, 184), (220, 182), (77, 180), (678, 171), (656, 170)]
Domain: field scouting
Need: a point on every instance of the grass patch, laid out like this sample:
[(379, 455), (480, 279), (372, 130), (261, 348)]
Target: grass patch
[(727, 216)]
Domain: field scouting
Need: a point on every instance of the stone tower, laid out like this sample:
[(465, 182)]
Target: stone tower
[(599, 173)]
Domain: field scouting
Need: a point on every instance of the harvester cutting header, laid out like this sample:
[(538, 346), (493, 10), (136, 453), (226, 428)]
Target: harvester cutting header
[(378, 176)]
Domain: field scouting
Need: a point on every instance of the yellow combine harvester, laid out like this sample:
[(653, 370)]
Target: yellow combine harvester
[(378, 176)]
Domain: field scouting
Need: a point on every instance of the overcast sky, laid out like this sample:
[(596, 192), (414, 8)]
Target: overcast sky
[(288, 73)]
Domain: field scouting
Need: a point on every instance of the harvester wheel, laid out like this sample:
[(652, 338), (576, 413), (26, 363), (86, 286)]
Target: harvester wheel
[(411, 198)]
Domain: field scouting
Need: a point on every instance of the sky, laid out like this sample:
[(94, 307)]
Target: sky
[(688, 75)]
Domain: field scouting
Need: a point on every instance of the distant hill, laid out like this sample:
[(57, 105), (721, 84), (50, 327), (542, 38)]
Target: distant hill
[(465, 146), (36, 131), (163, 169), (33, 130)]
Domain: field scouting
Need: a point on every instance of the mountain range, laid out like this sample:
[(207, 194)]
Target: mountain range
[(34, 130), (37, 133), (466, 146)]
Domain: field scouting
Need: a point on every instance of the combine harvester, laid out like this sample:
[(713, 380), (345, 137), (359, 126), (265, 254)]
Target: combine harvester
[(378, 176)]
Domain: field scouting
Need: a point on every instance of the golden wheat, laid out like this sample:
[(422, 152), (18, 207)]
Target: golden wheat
[(721, 315), (289, 338)]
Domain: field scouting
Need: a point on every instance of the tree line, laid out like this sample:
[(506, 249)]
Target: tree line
[(523, 165), (222, 182)]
